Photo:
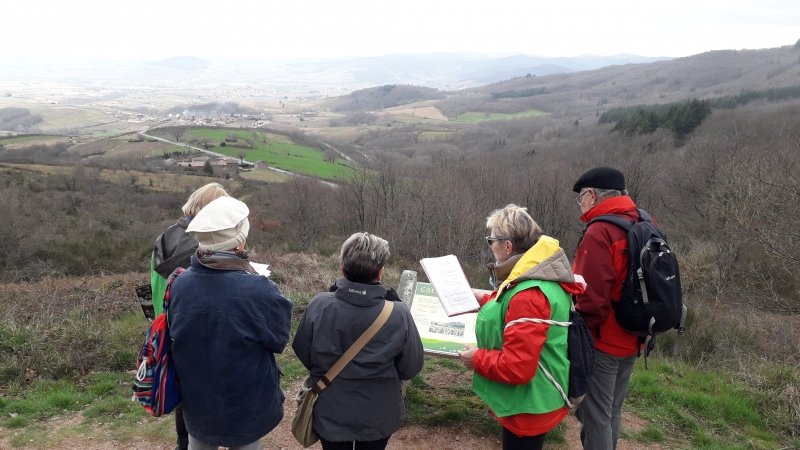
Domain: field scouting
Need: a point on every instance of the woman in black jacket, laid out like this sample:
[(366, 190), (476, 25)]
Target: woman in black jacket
[(363, 406)]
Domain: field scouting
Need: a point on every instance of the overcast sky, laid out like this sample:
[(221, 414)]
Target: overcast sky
[(299, 29)]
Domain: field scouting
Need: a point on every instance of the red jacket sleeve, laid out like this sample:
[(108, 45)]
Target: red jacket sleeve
[(486, 298), (595, 262), (517, 362)]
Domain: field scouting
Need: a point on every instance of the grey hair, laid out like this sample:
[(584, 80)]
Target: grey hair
[(515, 224), (608, 193), (362, 256)]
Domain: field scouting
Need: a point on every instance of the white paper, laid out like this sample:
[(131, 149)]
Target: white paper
[(261, 269), (440, 334), (451, 284)]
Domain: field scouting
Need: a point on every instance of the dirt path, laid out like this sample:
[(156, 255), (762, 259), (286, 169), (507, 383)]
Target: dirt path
[(412, 437)]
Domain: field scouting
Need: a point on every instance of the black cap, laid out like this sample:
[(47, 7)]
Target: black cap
[(601, 178)]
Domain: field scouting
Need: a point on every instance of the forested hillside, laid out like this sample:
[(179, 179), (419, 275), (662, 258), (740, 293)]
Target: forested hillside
[(710, 146)]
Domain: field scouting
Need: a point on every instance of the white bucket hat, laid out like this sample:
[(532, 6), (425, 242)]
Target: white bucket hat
[(221, 225)]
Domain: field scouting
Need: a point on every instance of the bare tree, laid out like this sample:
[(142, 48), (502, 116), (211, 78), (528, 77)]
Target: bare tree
[(17, 226), (178, 133), (307, 203)]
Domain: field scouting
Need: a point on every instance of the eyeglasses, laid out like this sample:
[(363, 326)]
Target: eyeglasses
[(580, 197), (490, 239)]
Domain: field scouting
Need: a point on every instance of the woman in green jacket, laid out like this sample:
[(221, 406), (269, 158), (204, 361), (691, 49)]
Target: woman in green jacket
[(533, 281)]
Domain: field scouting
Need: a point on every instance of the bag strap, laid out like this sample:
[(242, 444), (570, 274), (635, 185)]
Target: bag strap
[(168, 291), (541, 366), (351, 352)]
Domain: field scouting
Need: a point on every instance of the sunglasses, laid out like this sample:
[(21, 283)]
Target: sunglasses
[(490, 239)]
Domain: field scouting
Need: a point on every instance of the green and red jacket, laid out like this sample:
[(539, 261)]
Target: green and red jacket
[(506, 375)]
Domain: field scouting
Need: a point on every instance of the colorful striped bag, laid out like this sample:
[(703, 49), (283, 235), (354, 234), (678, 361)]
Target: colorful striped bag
[(156, 384)]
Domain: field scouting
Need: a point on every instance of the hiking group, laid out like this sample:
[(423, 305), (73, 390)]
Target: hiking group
[(534, 360)]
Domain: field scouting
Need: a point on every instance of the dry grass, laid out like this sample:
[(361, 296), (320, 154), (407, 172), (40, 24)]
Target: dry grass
[(267, 176), (417, 112), (300, 275), (154, 181), (50, 298), (121, 148)]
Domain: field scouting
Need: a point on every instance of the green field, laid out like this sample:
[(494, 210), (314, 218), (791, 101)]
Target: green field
[(475, 116), (277, 150), (26, 139), (29, 139), (70, 117)]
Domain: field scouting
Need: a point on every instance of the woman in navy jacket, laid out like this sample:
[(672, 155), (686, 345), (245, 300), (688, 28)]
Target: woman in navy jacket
[(227, 323)]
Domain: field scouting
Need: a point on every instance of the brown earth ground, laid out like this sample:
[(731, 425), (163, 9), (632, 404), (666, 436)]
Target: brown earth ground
[(412, 437)]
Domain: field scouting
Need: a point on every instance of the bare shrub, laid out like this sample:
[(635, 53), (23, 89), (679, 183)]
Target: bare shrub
[(307, 210)]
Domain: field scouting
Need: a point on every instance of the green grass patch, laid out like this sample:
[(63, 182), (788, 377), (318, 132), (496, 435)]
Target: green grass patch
[(442, 395), (104, 399), (291, 367), (36, 436), (474, 116), (44, 400), (277, 151), (715, 410), (651, 433), (436, 399), (29, 139), (464, 410)]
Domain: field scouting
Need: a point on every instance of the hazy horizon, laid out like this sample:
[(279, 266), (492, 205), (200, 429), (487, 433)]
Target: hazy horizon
[(244, 30)]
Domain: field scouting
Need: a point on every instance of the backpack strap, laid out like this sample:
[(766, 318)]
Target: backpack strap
[(167, 293), (625, 224), (616, 220)]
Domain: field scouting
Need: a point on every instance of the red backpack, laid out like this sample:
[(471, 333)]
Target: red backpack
[(156, 384)]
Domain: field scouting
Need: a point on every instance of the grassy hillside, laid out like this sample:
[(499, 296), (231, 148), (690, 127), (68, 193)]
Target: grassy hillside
[(682, 406), (78, 235)]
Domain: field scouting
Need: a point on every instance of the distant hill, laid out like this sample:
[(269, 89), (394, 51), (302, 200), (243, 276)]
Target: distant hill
[(382, 97), (436, 70), (456, 71), (707, 75)]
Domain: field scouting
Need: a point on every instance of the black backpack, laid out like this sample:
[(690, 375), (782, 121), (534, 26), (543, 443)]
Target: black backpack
[(580, 352), (651, 301)]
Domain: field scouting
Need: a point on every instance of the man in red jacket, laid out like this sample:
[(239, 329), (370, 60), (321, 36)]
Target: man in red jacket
[(602, 259)]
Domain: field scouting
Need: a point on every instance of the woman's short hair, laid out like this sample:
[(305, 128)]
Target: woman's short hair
[(515, 224), (203, 196), (362, 256)]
